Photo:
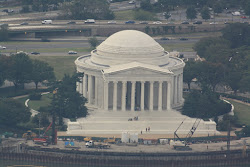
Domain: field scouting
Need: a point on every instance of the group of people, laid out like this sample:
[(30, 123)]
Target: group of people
[(147, 130)]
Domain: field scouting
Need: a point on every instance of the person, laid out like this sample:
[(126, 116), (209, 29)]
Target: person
[(146, 129), (141, 131)]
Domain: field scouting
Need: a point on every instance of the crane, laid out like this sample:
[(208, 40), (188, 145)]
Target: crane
[(183, 144)]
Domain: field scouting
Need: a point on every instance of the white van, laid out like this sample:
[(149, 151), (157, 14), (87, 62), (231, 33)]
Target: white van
[(236, 13), (89, 21), (47, 22)]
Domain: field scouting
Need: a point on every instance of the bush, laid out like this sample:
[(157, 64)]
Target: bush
[(25, 9), (35, 96)]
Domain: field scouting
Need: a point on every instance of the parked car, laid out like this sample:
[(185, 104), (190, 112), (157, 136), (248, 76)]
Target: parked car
[(2, 47), (24, 23), (143, 22), (47, 22), (236, 13), (72, 52), (213, 23), (157, 22), (112, 22), (197, 22), (90, 21), (164, 38), (185, 22), (35, 53), (131, 2), (71, 22), (183, 39), (130, 22)]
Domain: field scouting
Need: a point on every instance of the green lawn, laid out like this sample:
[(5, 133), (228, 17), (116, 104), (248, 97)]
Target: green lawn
[(180, 47), (45, 101), (124, 15), (61, 64), (242, 111)]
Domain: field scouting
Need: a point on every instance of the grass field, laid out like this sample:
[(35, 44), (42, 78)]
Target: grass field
[(242, 111), (45, 101), (181, 47), (61, 64)]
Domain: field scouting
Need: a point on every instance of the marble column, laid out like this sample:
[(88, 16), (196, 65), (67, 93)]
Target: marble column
[(85, 85), (142, 95), (151, 100), (124, 88), (77, 86), (168, 95), (176, 89), (96, 87), (115, 96), (106, 96), (90, 88), (160, 96), (133, 96)]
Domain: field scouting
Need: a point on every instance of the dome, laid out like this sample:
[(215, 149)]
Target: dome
[(127, 46)]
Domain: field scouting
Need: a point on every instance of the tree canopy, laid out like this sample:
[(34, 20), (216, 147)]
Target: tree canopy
[(13, 112), (41, 71), (205, 13), (191, 13), (205, 104), (88, 9)]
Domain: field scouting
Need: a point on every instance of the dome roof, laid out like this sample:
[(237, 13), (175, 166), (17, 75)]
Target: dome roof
[(127, 46)]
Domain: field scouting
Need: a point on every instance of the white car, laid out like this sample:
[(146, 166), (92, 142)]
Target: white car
[(131, 2), (157, 22), (112, 22), (213, 23), (72, 52), (2, 47)]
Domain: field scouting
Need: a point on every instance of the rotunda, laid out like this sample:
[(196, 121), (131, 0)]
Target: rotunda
[(131, 71)]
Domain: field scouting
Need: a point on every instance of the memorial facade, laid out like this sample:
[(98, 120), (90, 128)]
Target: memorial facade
[(128, 76)]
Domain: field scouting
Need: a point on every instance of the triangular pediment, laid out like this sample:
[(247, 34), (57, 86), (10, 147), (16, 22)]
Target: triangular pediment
[(136, 68)]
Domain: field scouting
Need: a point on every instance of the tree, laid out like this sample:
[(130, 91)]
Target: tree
[(190, 72), (41, 71), (201, 46), (246, 8), (191, 13), (85, 9), (205, 13), (205, 104), (146, 5), (13, 112), (93, 42), (4, 33), (20, 69), (218, 7), (4, 65), (210, 75), (238, 34)]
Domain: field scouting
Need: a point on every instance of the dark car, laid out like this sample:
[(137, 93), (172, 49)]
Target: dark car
[(71, 22), (185, 22), (130, 22), (164, 38), (24, 23), (143, 22), (183, 39), (197, 22), (35, 53)]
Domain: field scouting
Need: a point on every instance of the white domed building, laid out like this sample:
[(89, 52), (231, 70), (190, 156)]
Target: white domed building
[(130, 75)]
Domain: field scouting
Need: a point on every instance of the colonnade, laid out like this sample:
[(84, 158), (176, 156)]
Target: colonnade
[(132, 95)]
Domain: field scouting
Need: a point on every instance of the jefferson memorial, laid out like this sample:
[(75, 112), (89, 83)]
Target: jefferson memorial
[(129, 76)]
